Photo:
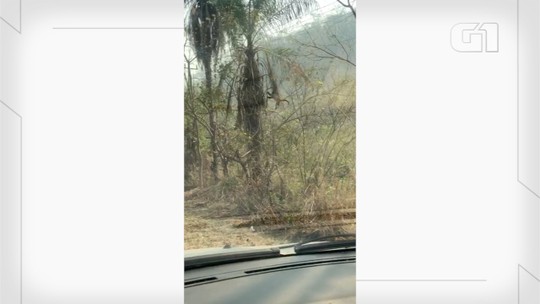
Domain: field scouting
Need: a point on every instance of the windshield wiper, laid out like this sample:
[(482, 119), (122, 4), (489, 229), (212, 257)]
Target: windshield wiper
[(229, 257), (318, 245), (327, 243)]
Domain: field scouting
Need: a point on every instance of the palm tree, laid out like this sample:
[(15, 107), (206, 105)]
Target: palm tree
[(205, 33), (243, 23)]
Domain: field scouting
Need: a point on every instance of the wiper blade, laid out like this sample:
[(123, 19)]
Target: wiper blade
[(327, 243), (318, 245), (229, 257)]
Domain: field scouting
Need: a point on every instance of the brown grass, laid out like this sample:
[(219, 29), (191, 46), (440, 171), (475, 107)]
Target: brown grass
[(219, 215)]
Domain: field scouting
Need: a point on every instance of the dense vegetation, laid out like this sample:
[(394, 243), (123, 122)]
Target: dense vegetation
[(270, 115)]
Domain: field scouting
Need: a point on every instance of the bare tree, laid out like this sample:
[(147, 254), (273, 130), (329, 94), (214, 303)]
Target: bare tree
[(349, 6)]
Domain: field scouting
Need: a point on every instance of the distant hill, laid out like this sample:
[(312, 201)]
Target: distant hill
[(317, 46)]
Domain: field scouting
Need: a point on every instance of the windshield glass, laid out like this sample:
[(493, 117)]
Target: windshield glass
[(269, 121)]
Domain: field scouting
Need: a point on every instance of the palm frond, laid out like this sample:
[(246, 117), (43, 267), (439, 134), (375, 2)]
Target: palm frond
[(281, 12), (204, 28)]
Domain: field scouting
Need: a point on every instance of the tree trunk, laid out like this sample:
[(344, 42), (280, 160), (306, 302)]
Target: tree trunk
[(253, 101), (192, 155), (211, 118)]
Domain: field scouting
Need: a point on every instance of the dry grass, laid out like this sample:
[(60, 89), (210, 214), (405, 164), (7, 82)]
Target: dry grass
[(211, 233), (216, 217)]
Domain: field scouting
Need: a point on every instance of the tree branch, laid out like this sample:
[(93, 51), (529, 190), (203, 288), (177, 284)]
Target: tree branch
[(349, 6), (331, 54)]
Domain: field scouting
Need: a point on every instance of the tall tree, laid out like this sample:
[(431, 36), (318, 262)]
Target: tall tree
[(205, 33), (244, 23), (253, 19)]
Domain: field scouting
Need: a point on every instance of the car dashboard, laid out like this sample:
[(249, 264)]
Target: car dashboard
[(309, 278)]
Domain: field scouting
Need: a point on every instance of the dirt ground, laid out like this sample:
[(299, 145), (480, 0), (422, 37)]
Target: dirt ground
[(200, 232), (205, 229), (211, 226)]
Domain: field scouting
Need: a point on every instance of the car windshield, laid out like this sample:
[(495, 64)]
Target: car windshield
[(269, 122)]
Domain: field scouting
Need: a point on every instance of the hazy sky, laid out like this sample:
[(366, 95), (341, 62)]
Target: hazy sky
[(325, 7)]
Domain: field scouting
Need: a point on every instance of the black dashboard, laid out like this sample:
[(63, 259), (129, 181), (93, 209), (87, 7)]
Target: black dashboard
[(310, 278)]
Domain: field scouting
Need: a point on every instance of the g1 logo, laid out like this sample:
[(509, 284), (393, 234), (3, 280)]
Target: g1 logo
[(475, 37)]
